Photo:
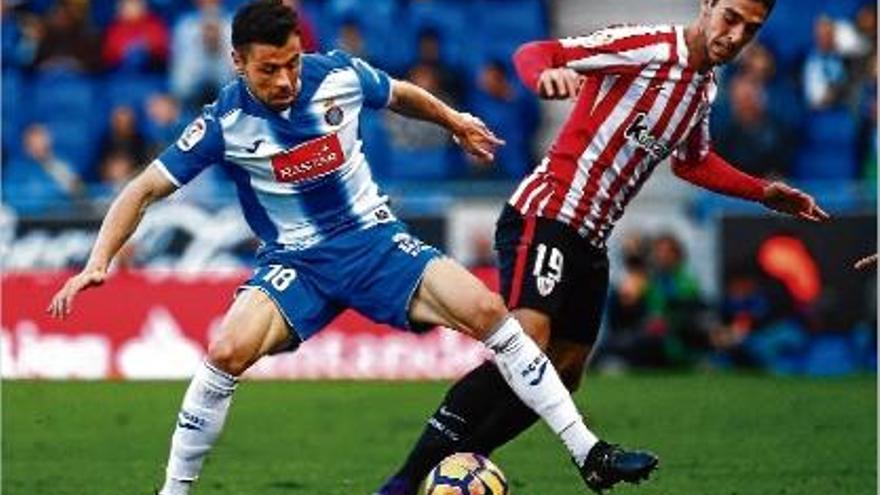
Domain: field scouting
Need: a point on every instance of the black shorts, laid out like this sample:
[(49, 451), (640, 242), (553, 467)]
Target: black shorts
[(545, 265)]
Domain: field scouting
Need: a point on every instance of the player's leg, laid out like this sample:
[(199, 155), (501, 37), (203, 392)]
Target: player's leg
[(471, 402), (509, 416), (450, 295), (252, 327)]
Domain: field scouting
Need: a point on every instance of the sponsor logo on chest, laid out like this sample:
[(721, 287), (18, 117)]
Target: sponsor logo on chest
[(309, 160), (640, 135)]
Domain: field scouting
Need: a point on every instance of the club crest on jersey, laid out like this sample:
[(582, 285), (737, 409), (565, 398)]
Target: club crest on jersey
[(193, 133), (334, 115), (545, 285), (639, 134), (309, 160)]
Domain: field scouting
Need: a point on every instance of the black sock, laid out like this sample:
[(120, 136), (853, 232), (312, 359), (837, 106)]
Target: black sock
[(509, 418), (464, 410)]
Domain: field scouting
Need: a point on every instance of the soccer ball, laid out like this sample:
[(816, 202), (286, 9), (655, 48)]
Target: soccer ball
[(466, 474)]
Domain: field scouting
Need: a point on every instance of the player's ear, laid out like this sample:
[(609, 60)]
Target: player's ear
[(238, 59)]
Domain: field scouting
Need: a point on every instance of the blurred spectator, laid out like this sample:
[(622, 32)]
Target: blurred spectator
[(200, 60), (626, 342), (39, 182), (66, 39), (124, 137), (136, 40), (753, 138), (859, 38), (115, 170), (350, 39), (307, 35), (782, 99), (676, 310), (825, 75), (429, 50), (18, 49), (744, 309), (508, 111), (421, 148), (164, 123)]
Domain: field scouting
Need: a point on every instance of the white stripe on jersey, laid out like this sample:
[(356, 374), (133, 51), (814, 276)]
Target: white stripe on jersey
[(655, 51), (626, 153), (600, 141)]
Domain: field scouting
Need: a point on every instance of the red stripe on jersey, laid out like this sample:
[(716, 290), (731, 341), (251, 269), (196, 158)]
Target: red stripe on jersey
[(585, 102), (634, 42), (580, 129), (522, 256), (535, 207), (658, 130), (676, 135), (605, 160)]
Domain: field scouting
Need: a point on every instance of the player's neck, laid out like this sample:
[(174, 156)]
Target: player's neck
[(698, 57)]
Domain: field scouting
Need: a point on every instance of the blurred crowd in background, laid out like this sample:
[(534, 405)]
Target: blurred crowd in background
[(93, 90)]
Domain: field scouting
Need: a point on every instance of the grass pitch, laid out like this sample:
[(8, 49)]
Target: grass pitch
[(715, 434)]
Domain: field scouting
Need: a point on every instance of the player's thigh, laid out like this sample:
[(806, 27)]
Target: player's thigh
[(450, 295), (252, 328)]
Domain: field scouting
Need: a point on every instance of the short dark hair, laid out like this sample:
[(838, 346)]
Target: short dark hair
[(263, 21), (769, 4)]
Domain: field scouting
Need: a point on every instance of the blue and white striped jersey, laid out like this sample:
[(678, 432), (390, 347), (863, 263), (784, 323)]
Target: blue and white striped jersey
[(301, 174)]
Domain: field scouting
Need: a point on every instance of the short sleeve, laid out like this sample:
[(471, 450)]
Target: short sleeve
[(375, 83), (199, 146)]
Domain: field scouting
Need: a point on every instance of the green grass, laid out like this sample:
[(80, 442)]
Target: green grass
[(716, 435)]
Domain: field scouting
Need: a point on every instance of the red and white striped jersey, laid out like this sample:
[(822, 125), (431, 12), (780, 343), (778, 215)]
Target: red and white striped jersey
[(640, 104)]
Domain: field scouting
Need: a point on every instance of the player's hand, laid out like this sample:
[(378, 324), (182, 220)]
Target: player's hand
[(559, 84), (62, 301), (866, 262), (786, 199), (475, 138)]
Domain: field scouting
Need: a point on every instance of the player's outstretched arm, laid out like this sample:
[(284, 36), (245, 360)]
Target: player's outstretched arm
[(715, 174), (468, 131), (120, 223)]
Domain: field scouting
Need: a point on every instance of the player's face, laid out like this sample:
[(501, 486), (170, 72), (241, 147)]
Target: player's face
[(272, 72), (729, 25)]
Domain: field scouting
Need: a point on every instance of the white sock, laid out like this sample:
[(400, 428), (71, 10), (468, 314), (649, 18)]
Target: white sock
[(533, 378), (199, 424)]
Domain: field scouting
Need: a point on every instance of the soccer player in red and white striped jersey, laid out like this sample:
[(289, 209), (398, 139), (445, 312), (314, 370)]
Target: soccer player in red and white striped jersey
[(642, 95)]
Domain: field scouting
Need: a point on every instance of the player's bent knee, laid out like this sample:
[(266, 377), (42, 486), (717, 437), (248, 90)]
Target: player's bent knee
[(223, 354), (489, 310)]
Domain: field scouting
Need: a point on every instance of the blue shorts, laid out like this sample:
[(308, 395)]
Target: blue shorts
[(375, 271)]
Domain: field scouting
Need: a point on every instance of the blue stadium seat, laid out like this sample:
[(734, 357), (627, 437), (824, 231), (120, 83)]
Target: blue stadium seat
[(830, 355), (11, 111), (421, 165), (828, 151), (131, 90), (61, 95), (76, 143)]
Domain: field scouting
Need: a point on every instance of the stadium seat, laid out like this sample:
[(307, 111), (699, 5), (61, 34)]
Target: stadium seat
[(829, 355), (828, 151), (12, 117), (75, 143), (131, 90), (61, 95)]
